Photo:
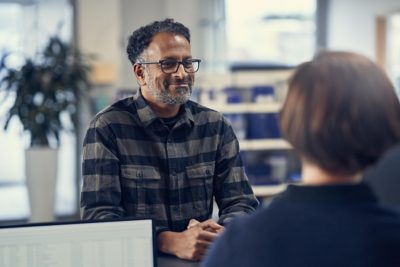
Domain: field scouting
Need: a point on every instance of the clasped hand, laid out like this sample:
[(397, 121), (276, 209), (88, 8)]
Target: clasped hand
[(191, 244), (197, 239)]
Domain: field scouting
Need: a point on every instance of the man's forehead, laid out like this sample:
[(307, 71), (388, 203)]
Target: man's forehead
[(167, 35), (168, 42)]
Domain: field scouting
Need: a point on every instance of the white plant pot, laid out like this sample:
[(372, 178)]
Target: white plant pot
[(41, 178)]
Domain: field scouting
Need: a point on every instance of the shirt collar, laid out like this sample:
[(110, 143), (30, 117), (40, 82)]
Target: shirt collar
[(147, 115)]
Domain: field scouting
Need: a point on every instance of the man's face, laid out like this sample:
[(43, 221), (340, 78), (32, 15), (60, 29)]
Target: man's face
[(174, 88)]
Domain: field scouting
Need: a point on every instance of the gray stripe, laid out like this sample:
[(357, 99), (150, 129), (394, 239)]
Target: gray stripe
[(96, 182), (97, 150)]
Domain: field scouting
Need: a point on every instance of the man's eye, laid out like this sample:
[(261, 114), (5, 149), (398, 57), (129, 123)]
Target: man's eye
[(187, 64), (169, 64)]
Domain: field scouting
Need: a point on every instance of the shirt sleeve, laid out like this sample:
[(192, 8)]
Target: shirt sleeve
[(101, 190), (233, 193)]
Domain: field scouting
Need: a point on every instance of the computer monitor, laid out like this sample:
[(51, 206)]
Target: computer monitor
[(117, 243)]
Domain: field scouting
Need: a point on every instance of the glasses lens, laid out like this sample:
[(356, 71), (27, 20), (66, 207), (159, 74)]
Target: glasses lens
[(172, 66), (169, 66), (191, 65)]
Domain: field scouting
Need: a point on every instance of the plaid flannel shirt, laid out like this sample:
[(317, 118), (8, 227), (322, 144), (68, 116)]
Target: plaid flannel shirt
[(134, 165)]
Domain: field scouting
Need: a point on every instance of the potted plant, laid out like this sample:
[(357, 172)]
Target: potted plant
[(46, 93)]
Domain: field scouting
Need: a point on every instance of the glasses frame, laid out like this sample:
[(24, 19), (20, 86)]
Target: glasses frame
[(160, 62)]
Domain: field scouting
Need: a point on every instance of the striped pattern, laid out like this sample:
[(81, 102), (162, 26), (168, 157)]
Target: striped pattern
[(133, 165)]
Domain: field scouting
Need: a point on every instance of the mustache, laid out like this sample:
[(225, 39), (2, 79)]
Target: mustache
[(187, 80)]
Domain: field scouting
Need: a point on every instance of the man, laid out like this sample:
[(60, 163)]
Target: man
[(161, 156)]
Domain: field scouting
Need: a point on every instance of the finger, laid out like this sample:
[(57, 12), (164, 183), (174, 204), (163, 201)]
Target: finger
[(201, 249), (207, 236), (208, 222), (192, 223), (214, 230), (211, 226), (220, 231), (202, 245)]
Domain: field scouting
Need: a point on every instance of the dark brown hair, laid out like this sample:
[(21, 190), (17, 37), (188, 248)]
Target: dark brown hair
[(341, 112), (141, 38)]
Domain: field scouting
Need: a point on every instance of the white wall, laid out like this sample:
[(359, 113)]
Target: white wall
[(351, 24), (99, 23), (134, 14)]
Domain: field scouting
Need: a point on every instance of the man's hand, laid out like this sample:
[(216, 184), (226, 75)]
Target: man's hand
[(208, 225), (191, 244)]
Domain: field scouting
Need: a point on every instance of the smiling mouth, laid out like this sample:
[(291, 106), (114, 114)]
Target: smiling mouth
[(185, 85)]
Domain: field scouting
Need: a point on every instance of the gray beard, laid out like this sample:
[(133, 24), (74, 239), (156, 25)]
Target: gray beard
[(165, 96)]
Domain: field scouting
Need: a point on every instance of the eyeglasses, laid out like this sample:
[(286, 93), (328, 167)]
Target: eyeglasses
[(169, 66)]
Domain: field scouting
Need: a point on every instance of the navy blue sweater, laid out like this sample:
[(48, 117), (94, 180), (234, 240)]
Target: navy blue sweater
[(341, 225)]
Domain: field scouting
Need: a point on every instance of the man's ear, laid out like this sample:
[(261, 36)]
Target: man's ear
[(139, 73)]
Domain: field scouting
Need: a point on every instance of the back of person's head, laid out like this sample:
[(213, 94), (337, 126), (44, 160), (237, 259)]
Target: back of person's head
[(341, 112), (141, 38)]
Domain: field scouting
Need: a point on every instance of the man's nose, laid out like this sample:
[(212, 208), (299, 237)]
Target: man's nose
[(181, 72)]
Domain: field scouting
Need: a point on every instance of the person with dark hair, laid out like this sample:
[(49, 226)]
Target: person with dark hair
[(162, 156), (341, 114)]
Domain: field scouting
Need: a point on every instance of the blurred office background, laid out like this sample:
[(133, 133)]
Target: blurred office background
[(241, 44)]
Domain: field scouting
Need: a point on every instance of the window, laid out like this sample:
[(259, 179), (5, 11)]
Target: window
[(270, 31)]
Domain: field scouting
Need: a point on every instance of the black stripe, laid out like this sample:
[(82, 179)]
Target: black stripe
[(103, 166), (242, 186), (99, 198)]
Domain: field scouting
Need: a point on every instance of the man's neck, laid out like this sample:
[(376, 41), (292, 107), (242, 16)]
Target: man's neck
[(313, 175), (164, 110)]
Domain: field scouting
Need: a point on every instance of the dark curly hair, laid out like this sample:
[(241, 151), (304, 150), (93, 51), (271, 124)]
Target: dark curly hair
[(141, 38)]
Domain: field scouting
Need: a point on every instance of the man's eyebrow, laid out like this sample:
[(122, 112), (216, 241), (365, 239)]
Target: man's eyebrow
[(175, 58), (169, 58)]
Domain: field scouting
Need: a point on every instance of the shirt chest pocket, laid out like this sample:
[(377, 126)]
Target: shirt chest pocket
[(140, 187), (140, 172), (200, 181), (201, 171)]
